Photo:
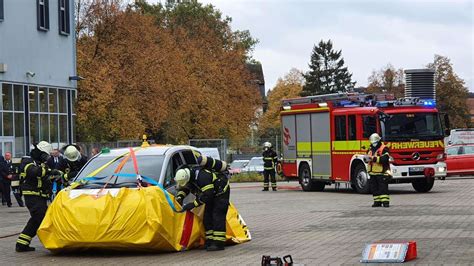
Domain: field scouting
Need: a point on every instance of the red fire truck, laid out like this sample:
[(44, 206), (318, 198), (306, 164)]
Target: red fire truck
[(326, 137)]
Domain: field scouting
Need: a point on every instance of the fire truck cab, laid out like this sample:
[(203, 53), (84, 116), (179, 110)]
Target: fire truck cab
[(325, 138)]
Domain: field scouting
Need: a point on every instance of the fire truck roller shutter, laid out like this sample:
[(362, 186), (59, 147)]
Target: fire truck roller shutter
[(321, 145), (289, 137), (303, 137)]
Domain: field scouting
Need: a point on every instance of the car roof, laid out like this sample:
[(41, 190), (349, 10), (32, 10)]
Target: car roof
[(151, 150), (460, 145)]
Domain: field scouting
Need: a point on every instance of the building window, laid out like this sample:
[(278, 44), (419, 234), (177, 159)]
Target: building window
[(64, 28), (1, 10), (42, 7), (7, 97)]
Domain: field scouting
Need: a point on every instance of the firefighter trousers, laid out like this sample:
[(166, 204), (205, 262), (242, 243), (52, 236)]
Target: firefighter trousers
[(215, 213), (37, 206), (267, 175), (379, 187), (6, 191)]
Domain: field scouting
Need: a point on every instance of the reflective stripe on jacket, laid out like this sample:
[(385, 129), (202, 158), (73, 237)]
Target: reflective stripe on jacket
[(34, 181), (270, 159), (381, 165)]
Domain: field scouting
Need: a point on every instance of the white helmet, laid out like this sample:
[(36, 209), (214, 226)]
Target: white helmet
[(44, 147), (374, 139), (267, 145), (182, 177), (72, 154)]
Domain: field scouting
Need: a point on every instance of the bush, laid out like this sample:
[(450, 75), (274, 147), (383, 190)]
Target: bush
[(251, 177)]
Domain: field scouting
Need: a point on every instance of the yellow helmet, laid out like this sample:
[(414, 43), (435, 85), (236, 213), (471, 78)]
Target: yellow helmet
[(374, 139), (182, 177), (72, 154), (44, 147)]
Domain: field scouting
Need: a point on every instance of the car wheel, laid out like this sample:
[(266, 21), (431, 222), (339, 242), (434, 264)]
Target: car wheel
[(423, 185), (360, 179), (307, 184)]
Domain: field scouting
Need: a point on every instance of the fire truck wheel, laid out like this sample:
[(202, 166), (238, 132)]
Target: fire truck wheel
[(423, 185), (306, 182), (360, 180)]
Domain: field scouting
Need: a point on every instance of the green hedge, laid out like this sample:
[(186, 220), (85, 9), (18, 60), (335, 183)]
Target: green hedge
[(251, 177)]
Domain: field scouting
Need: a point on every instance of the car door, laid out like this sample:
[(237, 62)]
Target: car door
[(466, 159), (453, 160)]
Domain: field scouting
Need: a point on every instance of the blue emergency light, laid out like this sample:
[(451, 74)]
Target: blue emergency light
[(428, 103)]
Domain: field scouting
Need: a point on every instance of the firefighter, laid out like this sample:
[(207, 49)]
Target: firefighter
[(270, 160), (210, 188), (36, 186), (379, 171), (74, 162)]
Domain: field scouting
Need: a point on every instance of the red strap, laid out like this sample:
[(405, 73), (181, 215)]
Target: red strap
[(187, 229), (134, 159), (135, 166), (117, 170)]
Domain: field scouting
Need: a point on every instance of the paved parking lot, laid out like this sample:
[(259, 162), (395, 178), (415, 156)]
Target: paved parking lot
[(316, 228)]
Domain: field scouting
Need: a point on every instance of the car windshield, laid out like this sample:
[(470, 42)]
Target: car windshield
[(238, 164), (255, 162), (425, 126), (148, 166)]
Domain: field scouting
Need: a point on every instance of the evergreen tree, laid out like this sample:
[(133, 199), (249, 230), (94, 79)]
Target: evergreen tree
[(327, 72)]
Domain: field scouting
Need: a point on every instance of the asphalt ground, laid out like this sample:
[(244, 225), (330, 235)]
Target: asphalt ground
[(315, 228)]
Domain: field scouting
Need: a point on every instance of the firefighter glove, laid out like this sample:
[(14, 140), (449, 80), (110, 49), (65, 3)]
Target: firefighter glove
[(187, 207), (180, 199), (56, 174)]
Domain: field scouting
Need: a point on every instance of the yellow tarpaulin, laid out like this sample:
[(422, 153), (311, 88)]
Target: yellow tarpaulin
[(128, 219)]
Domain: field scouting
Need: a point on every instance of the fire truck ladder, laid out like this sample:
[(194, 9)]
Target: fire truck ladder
[(354, 97)]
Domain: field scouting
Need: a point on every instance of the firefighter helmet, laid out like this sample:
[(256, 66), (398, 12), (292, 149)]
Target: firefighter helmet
[(44, 147), (374, 139), (72, 154), (267, 145), (182, 177)]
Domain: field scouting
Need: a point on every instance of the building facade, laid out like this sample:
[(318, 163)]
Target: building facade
[(38, 76)]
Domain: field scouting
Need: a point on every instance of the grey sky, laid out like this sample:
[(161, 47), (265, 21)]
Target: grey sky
[(371, 34)]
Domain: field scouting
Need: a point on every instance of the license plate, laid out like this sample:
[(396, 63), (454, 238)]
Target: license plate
[(416, 169)]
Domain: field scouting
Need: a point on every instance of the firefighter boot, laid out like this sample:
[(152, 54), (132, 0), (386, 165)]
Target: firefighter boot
[(377, 204), (208, 243), (265, 189), (274, 188), (216, 245), (386, 204), (23, 248)]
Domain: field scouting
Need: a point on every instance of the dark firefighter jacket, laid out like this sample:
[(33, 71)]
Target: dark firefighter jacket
[(73, 168), (35, 179), (205, 185), (270, 159)]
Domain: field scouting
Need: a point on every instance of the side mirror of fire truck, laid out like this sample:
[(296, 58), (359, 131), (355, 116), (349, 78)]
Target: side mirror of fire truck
[(447, 125)]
